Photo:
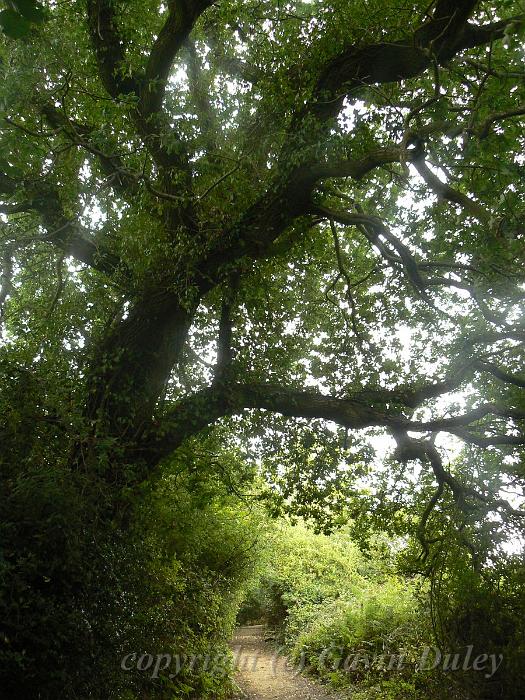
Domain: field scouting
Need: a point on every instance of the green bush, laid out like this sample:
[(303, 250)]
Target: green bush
[(90, 572), (483, 607), (345, 617), (329, 603)]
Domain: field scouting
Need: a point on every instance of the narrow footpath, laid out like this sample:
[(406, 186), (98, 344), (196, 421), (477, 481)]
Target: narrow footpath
[(263, 674)]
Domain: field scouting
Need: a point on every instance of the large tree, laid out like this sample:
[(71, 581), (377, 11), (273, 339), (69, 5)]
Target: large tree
[(310, 208)]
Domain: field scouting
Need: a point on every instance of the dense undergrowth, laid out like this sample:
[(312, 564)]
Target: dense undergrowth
[(91, 573), (363, 623)]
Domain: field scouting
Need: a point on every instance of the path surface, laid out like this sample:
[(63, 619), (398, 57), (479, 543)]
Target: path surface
[(265, 675)]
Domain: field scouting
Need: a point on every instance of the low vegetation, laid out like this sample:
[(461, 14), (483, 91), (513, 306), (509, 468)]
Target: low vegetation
[(361, 622)]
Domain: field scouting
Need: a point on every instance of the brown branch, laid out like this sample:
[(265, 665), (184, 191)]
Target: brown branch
[(446, 34), (354, 413), (487, 441), (62, 231), (357, 168), (484, 129), (416, 397), (220, 180), (287, 198), (182, 16), (475, 35), (110, 50), (290, 191), (466, 419), (147, 88), (193, 413), (75, 241), (448, 193), (465, 497), (506, 377)]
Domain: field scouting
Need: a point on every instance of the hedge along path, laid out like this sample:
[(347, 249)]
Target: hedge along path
[(262, 673)]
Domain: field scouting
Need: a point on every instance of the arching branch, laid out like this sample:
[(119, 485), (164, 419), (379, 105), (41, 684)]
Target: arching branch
[(502, 375), (447, 33), (62, 231), (191, 414)]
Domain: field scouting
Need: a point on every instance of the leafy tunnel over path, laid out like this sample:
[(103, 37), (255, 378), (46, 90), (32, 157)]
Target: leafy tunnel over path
[(287, 226)]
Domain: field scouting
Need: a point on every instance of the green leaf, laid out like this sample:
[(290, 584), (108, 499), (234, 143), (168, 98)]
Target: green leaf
[(13, 24), (31, 10)]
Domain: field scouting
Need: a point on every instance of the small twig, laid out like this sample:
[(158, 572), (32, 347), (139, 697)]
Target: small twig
[(218, 182)]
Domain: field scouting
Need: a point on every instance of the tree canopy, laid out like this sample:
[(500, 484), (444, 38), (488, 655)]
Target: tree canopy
[(286, 227)]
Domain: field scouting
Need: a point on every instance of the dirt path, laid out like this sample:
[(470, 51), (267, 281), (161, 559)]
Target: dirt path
[(265, 675)]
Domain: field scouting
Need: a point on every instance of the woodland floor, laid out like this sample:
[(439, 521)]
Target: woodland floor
[(263, 673)]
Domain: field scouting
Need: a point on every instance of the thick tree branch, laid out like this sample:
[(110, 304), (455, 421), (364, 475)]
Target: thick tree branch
[(75, 241), (484, 129), (62, 231), (429, 391), (148, 87), (358, 168), (475, 35), (181, 18), (354, 412), (134, 361), (288, 196), (493, 440), (466, 419), (438, 40), (465, 497), (110, 50), (448, 193), (502, 375)]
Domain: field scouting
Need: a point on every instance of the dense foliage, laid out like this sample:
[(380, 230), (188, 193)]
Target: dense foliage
[(82, 590), (341, 615), (272, 247), (362, 623)]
